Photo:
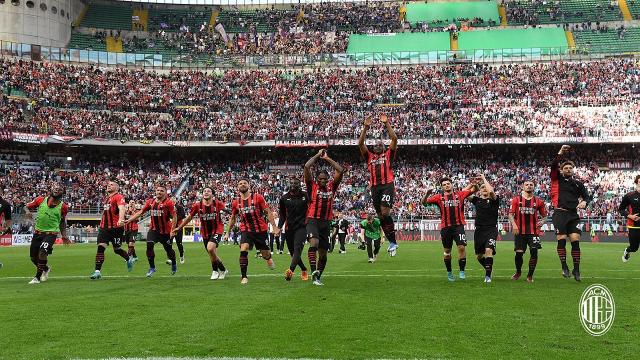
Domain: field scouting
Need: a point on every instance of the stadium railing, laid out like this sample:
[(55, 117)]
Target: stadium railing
[(158, 61)]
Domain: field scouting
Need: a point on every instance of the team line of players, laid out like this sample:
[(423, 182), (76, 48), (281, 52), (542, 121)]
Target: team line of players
[(305, 216)]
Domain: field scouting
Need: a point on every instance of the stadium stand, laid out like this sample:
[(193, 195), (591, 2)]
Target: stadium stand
[(634, 8), (81, 41), (622, 40), (488, 101), (177, 19), (243, 21), (527, 12), (108, 16), (185, 34)]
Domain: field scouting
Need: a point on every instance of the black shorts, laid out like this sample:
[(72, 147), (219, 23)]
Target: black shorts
[(453, 233), (634, 237), (259, 240), (178, 237), (42, 242), (383, 195), (371, 240), (523, 240), (484, 238), (296, 238), (319, 229), (214, 238), (566, 222), (131, 236), (114, 236), (155, 237), (342, 237)]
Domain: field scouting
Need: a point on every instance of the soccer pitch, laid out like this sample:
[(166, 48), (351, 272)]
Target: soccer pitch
[(400, 307)]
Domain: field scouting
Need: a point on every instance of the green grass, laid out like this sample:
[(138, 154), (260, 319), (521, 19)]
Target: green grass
[(400, 307)]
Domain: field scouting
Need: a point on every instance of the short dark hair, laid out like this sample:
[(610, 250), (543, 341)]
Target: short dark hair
[(114, 180), (244, 179), (320, 172), (64, 189), (636, 179), (161, 185), (445, 179), (568, 162)]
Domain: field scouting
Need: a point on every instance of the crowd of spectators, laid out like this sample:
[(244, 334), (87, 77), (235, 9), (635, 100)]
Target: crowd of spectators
[(355, 17), (301, 29), (85, 179), (202, 43), (322, 27), (576, 99), (193, 124), (419, 88)]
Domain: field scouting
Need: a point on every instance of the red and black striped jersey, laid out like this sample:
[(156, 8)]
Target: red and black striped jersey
[(132, 226), (320, 200), (379, 166), (251, 211), (451, 207), (566, 192), (110, 212), (210, 219), (161, 214), (630, 204), (526, 212)]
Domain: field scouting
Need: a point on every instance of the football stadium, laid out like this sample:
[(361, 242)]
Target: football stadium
[(306, 179)]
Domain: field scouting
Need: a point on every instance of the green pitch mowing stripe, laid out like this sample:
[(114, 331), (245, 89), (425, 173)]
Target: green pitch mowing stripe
[(400, 307), (200, 358)]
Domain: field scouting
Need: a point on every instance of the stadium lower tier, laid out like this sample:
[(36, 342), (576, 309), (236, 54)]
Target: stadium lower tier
[(197, 124)]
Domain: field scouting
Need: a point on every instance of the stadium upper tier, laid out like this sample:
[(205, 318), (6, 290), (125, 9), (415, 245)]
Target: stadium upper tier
[(105, 16), (600, 98), (608, 40), (416, 170), (534, 12), (325, 28), (634, 8)]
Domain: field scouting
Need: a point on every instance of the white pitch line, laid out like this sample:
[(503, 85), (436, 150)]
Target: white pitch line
[(469, 269)]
